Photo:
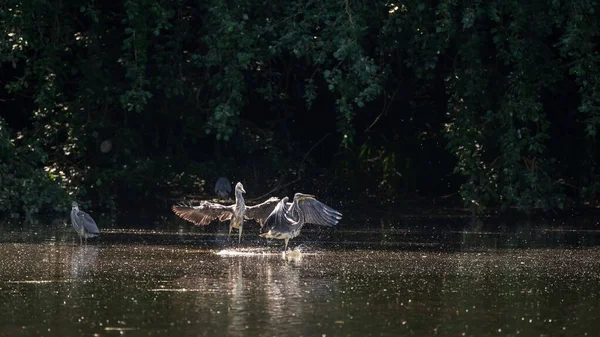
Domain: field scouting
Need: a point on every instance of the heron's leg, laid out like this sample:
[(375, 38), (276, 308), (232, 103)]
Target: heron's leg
[(80, 240), (240, 233), (286, 243), (230, 227)]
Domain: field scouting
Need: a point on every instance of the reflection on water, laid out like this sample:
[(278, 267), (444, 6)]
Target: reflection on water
[(449, 284), (83, 260)]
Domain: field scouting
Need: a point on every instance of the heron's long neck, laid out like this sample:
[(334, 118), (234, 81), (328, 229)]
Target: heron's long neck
[(300, 222), (239, 199), (300, 211)]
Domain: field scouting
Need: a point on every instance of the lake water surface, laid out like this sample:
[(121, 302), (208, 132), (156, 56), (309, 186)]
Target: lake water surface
[(181, 281)]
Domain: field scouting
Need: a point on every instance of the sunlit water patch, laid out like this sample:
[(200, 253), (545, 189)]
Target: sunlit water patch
[(180, 290), (295, 253), (228, 252), (37, 281), (245, 252)]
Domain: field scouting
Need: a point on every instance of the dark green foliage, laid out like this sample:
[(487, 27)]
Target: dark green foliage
[(499, 128), (24, 188), (132, 100)]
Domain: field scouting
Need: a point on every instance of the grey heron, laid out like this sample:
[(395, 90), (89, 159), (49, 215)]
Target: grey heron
[(223, 188), (286, 219), (207, 211), (83, 224)]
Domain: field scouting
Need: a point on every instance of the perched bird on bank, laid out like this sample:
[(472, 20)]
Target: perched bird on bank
[(207, 211), (83, 224), (287, 219), (223, 188)]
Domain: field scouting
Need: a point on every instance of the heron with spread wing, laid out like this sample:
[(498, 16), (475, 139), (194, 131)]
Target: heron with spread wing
[(83, 224), (286, 219), (207, 211)]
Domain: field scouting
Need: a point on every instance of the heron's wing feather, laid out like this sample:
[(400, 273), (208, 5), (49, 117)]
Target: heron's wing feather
[(278, 216), (316, 212), (226, 216), (204, 213), (261, 211), (88, 223)]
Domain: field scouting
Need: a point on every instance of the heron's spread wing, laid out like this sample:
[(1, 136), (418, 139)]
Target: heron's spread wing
[(261, 211), (316, 212), (204, 213), (88, 223)]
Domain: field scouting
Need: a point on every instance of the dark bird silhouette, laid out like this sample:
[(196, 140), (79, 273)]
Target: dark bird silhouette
[(223, 188)]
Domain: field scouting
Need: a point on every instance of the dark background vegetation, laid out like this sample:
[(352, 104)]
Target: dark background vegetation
[(120, 105)]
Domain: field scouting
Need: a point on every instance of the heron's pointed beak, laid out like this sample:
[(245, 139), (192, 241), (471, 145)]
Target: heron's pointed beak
[(243, 190), (307, 196)]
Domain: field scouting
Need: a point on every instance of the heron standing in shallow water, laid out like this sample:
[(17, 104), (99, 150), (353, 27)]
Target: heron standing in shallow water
[(207, 211), (287, 219), (83, 224)]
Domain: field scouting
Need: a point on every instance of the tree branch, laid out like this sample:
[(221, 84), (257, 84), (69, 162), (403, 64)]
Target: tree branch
[(298, 172)]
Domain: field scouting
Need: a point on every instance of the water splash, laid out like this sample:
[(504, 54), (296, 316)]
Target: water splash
[(293, 255)]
